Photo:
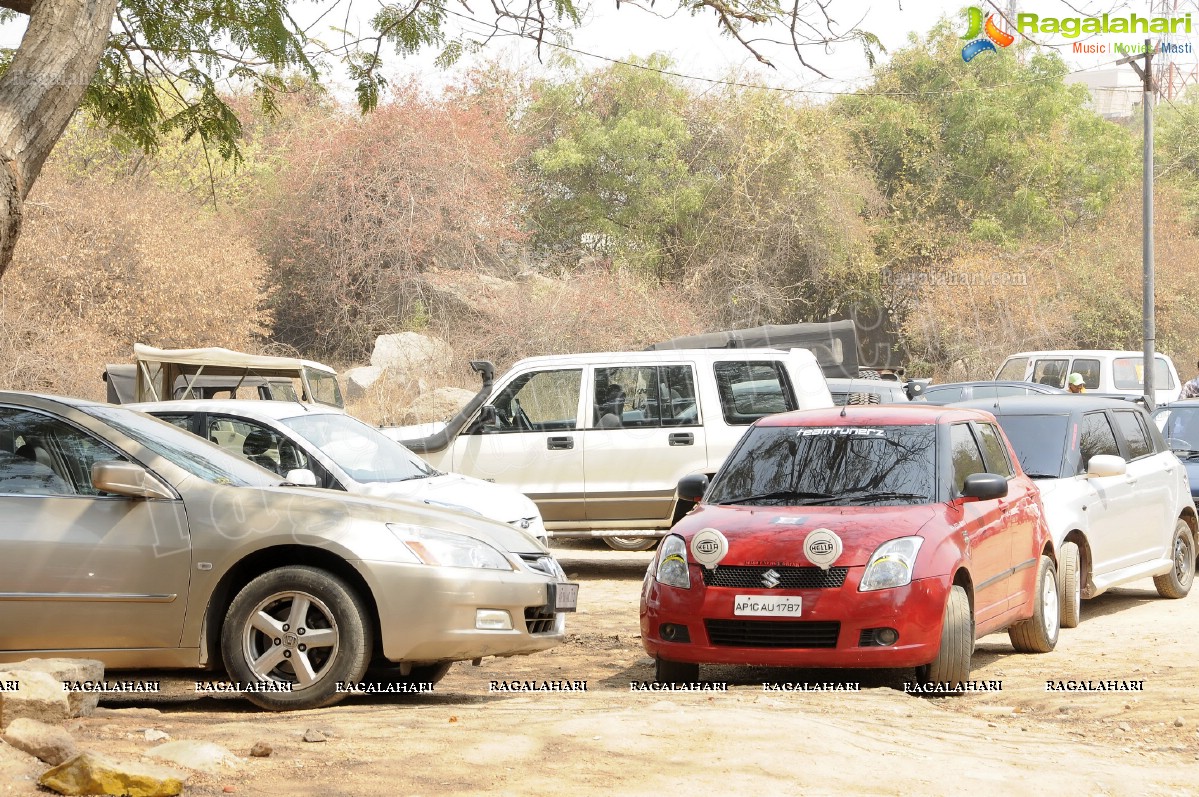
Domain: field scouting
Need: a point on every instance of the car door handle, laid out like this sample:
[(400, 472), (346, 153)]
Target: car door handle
[(559, 443), (682, 439)]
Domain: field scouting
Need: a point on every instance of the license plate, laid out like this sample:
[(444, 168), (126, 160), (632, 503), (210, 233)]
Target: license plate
[(767, 605), (563, 597)]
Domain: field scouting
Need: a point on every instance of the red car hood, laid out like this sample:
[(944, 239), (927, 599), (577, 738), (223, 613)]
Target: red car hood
[(774, 536)]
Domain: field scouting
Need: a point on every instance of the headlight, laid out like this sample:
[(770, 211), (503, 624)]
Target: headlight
[(892, 564), (449, 550), (672, 563)]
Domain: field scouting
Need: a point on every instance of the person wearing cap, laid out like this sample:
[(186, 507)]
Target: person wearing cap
[(1075, 384)]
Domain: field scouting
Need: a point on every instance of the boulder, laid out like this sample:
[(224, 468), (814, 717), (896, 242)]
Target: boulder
[(441, 404), (47, 742), (89, 773), (38, 696), (62, 669), (408, 357), (204, 756), (360, 380)]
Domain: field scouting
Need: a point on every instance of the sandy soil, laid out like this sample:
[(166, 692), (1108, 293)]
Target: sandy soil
[(465, 739)]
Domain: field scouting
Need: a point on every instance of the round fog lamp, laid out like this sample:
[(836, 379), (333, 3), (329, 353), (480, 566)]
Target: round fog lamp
[(886, 636)]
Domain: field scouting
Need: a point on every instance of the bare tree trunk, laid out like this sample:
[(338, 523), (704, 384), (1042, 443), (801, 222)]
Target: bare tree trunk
[(39, 92)]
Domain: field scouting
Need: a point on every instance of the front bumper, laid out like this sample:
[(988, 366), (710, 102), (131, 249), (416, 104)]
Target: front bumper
[(916, 611), (428, 613)]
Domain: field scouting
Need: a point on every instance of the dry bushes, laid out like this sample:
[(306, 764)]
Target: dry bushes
[(101, 266)]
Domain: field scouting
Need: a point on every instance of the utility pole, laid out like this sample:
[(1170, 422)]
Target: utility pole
[(1149, 329)]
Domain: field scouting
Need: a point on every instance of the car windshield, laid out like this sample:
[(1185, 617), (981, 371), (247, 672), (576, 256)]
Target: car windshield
[(195, 455), (362, 451), (1179, 424), (789, 466), (1040, 442)]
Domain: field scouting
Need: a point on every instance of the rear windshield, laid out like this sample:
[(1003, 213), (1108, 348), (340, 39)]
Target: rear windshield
[(1128, 373), (790, 466), (1039, 441)]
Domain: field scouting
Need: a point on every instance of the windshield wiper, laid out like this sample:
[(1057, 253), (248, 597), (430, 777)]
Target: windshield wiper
[(804, 497), (881, 495)]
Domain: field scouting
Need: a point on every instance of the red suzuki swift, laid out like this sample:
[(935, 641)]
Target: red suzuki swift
[(855, 537)]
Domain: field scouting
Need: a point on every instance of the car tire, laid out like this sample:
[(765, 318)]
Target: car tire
[(421, 674), (1070, 587), (863, 398), (294, 602), (675, 672), (631, 543), (952, 665), (1039, 633), (1177, 583)]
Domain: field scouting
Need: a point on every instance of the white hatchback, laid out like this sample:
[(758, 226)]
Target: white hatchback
[(343, 453), (1103, 371), (1117, 500)]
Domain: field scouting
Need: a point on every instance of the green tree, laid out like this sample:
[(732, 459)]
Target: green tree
[(152, 68)]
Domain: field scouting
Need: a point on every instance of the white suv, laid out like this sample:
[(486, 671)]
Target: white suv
[(1102, 371), (600, 441), (1117, 500)]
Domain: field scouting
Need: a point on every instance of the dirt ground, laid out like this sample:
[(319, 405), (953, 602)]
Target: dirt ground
[(465, 739)]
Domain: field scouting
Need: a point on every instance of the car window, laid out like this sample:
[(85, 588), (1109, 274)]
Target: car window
[(1128, 374), (967, 459), (994, 451), (359, 449), (539, 401), (784, 466), (1039, 442), (1095, 437), (1010, 390), (750, 390), (647, 395), (1133, 430), (258, 443), (1050, 372), (184, 422), (43, 455), (945, 394), (1013, 370), (1089, 370)]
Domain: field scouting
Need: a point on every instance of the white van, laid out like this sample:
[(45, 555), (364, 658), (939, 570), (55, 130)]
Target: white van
[(1102, 370), (600, 441)]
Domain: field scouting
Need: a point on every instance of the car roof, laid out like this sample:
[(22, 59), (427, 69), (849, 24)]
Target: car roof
[(886, 414), (250, 408), (1084, 353), (1045, 404), (22, 395), (1003, 382), (890, 384), (657, 356)]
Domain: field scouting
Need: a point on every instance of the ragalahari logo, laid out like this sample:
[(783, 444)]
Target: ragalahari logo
[(983, 36)]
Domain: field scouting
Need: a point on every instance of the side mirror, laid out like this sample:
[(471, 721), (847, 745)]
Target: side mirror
[(1102, 465), (985, 486), (301, 477), (692, 487), (488, 416), (128, 479)]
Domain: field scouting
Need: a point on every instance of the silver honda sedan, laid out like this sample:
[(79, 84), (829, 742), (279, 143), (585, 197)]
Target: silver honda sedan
[(125, 539)]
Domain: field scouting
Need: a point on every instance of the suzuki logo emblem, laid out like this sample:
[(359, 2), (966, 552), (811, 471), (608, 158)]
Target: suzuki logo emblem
[(770, 579)]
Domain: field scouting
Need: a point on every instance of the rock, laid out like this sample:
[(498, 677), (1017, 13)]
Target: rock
[(1124, 726), (1179, 722), (62, 669), (313, 735), (39, 696), (441, 404), (408, 357), (360, 380), (261, 750), (155, 735), (49, 743), (89, 773), (202, 756)]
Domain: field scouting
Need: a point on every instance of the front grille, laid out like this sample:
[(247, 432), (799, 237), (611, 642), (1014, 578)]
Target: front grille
[(538, 620), (773, 633), (544, 564), (789, 577)]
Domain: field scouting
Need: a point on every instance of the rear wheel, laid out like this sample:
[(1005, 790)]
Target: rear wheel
[(631, 543), (952, 665), (1177, 583), (1038, 634), (1071, 585), (675, 672)]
